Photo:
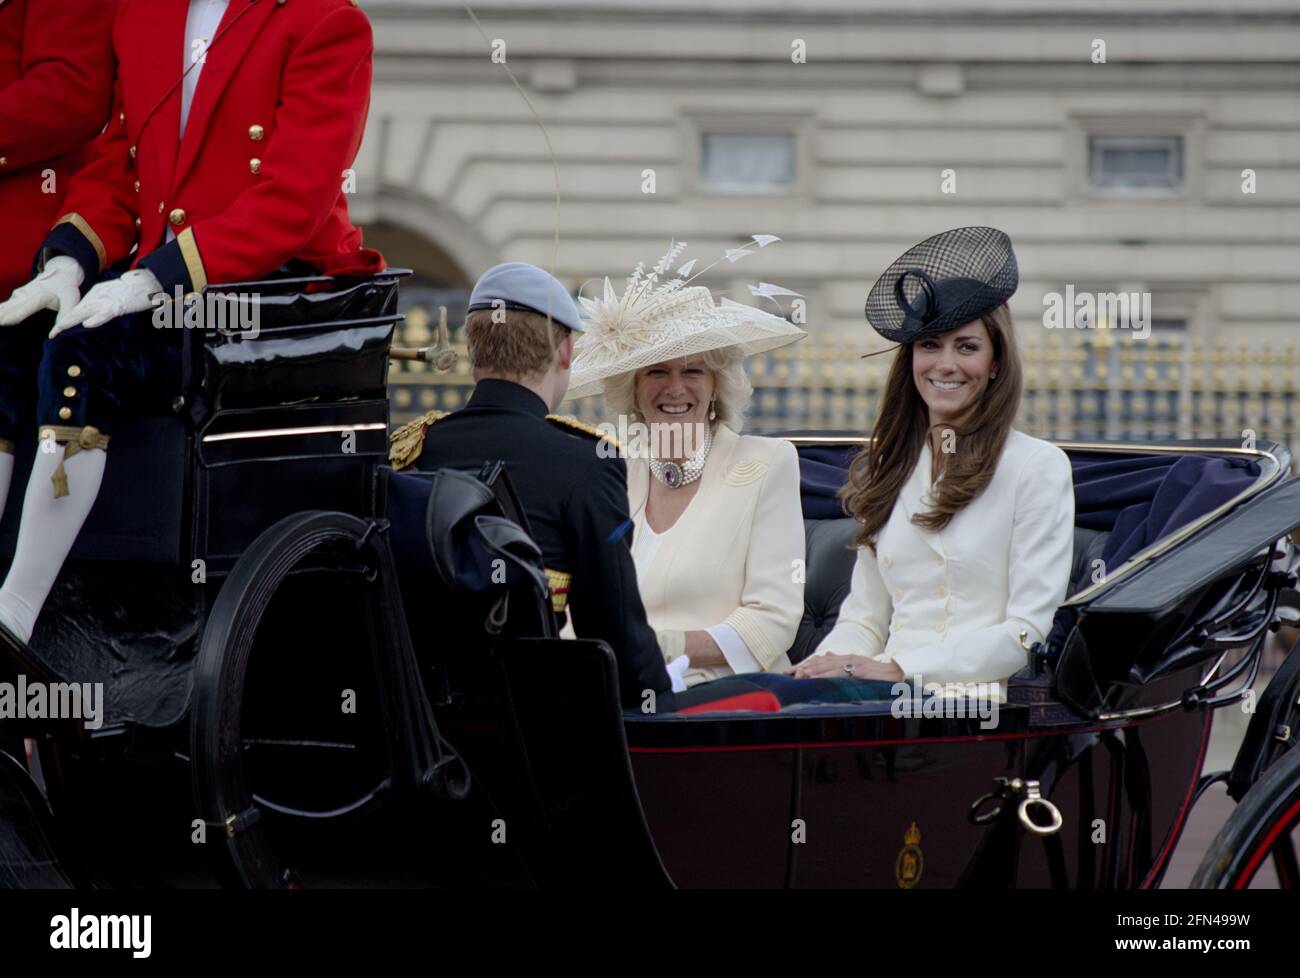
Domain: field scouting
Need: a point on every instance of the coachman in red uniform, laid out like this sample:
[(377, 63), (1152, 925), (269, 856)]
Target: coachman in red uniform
[(225, 180)]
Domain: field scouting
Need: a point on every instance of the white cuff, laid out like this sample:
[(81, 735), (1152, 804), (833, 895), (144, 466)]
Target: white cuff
[(734, 649)]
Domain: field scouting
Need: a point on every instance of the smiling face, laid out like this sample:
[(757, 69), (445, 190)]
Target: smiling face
[(952, 370), (675, 391)]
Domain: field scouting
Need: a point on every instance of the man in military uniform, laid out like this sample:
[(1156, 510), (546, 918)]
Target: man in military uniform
[(520, 331), (233, 126)]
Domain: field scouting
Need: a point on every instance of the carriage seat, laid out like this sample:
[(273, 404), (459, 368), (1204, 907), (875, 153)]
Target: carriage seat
[(830, 557)]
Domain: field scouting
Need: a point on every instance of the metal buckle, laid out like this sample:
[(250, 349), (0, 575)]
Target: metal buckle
[(234, 824), (1028, 791), (1034, 798)]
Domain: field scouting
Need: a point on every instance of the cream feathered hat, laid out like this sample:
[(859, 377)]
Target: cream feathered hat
[(658, 318)]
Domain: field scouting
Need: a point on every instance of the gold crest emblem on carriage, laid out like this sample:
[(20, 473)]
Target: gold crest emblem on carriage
[(911, 863)]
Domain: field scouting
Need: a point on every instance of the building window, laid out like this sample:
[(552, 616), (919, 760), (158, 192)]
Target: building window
[(748, 162), (1123, 162)]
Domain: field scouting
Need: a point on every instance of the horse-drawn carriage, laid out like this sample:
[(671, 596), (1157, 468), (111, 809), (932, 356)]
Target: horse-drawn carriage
[(309, 680)]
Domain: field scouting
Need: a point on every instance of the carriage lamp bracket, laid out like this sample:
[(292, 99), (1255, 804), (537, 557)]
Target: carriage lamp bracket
[(1031, 798)]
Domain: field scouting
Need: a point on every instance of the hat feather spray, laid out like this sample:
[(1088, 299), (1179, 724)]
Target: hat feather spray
[(661, 316)]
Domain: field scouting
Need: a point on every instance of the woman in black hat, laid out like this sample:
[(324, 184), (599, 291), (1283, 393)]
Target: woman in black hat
[(967, 524)]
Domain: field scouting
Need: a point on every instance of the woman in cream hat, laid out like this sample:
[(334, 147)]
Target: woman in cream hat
[(717, 526)]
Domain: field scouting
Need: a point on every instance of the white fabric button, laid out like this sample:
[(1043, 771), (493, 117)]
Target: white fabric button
[(887, 560), (898, 594), (941, 624), (942, 592), (938, 559)]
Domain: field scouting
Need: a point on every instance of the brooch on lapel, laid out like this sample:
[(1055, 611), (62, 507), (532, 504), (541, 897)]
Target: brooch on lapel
[(744, 472)]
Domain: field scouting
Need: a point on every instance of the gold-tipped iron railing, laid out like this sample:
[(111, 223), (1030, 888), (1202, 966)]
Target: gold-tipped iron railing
[(1108, 384)]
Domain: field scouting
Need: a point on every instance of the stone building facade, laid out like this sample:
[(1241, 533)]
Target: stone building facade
[(1127, 147)]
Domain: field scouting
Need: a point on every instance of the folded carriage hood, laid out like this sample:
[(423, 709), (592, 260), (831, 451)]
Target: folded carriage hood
[(1229, 542)]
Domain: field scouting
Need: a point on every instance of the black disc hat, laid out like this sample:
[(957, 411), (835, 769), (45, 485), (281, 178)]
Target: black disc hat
[(942, 283)]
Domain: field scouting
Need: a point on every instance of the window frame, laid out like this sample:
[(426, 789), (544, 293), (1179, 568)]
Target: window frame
[(1098, 143), (694, 123), (1084, 126)]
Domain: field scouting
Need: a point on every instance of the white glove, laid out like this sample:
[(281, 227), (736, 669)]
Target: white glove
[(133, 292), (57, 287), (677, 672)]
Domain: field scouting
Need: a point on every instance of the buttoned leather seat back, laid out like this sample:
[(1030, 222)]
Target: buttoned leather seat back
[(830, 557), (828, 573)]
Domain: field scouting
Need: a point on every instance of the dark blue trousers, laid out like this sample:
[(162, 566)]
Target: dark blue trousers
[(126, 368)]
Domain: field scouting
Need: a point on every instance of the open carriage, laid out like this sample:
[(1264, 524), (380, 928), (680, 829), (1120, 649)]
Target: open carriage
[(302, 689)]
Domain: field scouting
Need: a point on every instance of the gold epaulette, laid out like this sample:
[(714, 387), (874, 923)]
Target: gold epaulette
[(405, 444), (571, 423)]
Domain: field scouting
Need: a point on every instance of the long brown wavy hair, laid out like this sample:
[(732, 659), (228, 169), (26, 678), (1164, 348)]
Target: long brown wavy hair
[(881, 469)]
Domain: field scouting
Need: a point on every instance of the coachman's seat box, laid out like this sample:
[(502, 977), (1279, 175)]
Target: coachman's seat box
[(287, 417)]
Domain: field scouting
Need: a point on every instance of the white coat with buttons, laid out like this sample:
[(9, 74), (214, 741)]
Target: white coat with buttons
[(965, 604)]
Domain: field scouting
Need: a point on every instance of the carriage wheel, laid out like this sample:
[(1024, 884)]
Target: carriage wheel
[(224, 708), (1260, 838)]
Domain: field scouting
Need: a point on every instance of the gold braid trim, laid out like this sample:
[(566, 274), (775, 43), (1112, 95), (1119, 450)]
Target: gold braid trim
[(193, 260), (573, 424), (73, 441), (6, 446), (87, 232), (559, 582), (407, 441)]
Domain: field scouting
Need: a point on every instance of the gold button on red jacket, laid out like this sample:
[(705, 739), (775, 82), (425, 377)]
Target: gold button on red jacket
[(300, 69)]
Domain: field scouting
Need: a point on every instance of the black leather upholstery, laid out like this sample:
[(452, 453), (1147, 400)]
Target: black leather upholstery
[(830, 556), (830, 560), (1088, 545)]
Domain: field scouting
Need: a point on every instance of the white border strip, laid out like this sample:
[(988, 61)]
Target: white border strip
[(279, 432)]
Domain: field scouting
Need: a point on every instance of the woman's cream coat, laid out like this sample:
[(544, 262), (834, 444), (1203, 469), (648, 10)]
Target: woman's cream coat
[(965, 604), (734, 556)]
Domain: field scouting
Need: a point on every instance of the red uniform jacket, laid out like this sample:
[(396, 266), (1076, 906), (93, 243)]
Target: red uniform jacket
[(56, 85), (258, 177)]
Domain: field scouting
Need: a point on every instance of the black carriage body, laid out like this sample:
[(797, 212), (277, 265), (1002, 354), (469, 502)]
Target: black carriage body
[(842, 798), (857, 796), (1111, 718)]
